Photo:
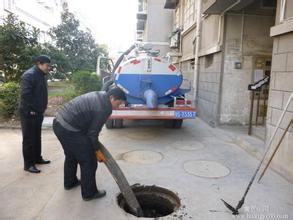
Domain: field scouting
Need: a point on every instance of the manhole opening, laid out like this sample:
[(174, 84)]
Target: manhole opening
[(155, 201)]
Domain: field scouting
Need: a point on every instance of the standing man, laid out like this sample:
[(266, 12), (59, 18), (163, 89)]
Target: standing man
[(33, 103), (77, 127)]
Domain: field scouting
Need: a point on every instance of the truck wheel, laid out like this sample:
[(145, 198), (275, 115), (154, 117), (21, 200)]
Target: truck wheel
[(177, 123), (110, 123), (118, 123), (169, 123)]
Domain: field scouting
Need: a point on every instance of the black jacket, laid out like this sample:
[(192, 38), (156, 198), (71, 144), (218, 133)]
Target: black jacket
[(87, 114), (34, 91)]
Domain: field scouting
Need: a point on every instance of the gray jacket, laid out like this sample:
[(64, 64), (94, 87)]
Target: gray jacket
[(87, 114)]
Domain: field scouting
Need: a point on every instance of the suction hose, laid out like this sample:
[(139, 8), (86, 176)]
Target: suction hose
[(107, 85)]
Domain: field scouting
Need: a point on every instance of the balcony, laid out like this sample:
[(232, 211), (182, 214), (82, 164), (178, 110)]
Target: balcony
[(141, 16), (171, 4), (219, 6), (140, 25), (175, 38)]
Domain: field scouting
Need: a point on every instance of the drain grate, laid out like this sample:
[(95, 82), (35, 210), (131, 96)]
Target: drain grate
[(155, 201)]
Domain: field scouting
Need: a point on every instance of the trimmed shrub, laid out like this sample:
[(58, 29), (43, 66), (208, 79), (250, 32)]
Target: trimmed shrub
[(9, 99), (85, 81)]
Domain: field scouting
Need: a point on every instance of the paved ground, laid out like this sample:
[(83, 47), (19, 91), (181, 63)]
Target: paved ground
[(30, 196)]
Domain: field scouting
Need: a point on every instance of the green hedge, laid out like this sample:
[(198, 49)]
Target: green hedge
[(9, 99), (85, 81)]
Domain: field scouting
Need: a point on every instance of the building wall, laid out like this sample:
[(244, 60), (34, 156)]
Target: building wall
[(42, 15), (183, 56), (158, 25), (244, 46), (210, 69), (237, 37), (281, 86), (210, 40), (187, 46), (187, 51), (209, 87)]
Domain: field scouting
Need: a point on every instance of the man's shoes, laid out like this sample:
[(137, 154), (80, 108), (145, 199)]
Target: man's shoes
[(73, 186), (42, 161), (32, 169), (97, 195)]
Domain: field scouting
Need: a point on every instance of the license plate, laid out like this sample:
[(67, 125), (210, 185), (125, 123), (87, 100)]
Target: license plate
[(185, 114)]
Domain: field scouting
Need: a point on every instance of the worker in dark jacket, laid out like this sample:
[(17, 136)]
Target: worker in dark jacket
[(34, 99), (77, 126)]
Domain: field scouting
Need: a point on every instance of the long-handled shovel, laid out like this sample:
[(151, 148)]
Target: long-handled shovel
[(275, 151), (241, 202), (103, 155)]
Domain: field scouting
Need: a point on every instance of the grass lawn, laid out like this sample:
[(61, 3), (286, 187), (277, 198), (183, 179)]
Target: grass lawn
[(58, 94), (62, 88)]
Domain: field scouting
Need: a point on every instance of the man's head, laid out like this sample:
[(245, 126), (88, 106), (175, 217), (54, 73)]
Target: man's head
[(117, 97), (43, 62)]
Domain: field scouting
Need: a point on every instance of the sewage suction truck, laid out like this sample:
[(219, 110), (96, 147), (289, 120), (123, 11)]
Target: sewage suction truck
[(154, 87)]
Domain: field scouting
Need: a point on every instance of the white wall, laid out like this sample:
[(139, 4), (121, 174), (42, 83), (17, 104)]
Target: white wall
[(158, 24)]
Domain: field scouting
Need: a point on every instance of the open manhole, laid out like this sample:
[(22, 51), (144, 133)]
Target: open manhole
[(142, 157), (155, 201), (206, 169)]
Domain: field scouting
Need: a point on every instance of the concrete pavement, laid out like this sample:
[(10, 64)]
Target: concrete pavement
[(164, 163)]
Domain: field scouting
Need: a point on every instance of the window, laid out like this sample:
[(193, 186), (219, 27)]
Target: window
[(177, 18), (209, 59), (189, 13), (8, 5), (286, 11), (269, 4), (142, 6)]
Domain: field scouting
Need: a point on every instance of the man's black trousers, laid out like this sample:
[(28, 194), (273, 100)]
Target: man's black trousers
[(78, 150), (31, 126)]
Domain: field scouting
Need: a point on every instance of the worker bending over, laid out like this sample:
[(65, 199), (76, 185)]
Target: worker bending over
[(77, 126)]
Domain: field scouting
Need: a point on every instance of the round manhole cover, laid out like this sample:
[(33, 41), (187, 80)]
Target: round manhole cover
[(206, 169), (142, 157), (188, 145)]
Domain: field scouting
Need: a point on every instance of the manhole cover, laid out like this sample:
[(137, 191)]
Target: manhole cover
[(155, 201), (188, 145), (206, 169), (142, 157)]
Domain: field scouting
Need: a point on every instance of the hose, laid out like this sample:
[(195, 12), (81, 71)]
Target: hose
[(104, 156), (107, 85)]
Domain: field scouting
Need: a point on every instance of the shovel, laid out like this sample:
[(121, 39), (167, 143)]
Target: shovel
[(241, 202)]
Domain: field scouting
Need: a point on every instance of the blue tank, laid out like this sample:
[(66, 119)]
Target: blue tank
[(149, 80)]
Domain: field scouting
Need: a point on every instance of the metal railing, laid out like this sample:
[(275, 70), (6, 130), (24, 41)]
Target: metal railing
[(259, 94)]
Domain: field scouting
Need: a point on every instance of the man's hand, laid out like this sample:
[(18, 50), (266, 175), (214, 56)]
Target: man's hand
[(100, 156)]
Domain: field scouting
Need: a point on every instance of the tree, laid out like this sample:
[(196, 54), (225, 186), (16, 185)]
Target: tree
[(79, 46), (61, 63), (18, 46)]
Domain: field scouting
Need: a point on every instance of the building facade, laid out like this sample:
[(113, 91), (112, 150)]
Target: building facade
[(237, 43), (154, 24), (182, 37), (238, 53), (41, 14), (281, 86)]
